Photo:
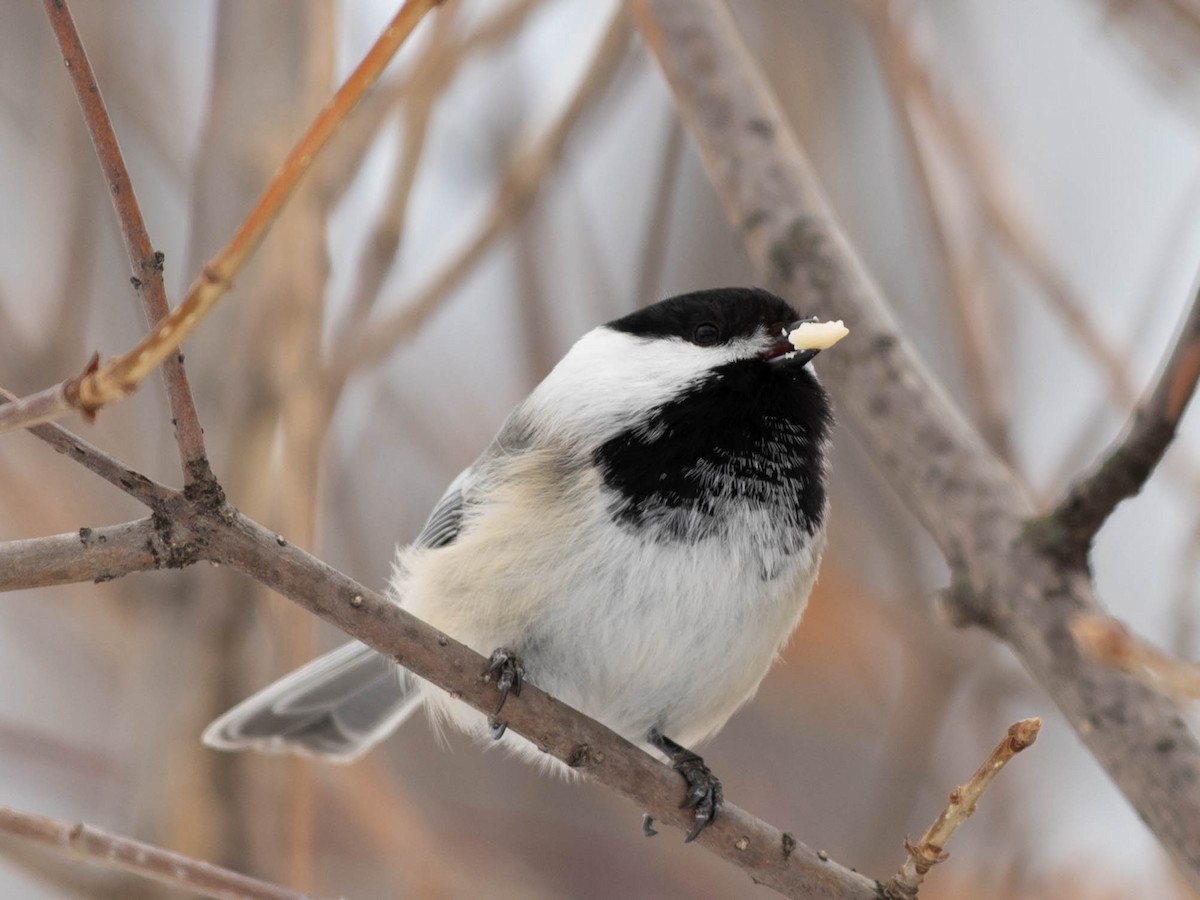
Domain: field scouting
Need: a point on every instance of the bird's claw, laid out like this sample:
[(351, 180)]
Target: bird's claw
[(508, 671), (705, 794)]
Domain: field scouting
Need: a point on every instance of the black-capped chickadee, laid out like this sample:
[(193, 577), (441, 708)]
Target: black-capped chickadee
[(639, 540)]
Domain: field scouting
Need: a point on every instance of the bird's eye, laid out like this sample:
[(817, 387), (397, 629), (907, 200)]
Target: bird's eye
[(706, 334)]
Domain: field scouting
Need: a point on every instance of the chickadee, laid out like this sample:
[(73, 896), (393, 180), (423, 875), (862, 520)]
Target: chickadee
[(639, 540)]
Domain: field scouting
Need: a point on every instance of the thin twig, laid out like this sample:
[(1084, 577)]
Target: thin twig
[(120, 376), (1111, 644), (442, 59), (343, 160), (146, 266), (91, 457), (375, 340), (116, 852), (1130, 462), (930, 849)]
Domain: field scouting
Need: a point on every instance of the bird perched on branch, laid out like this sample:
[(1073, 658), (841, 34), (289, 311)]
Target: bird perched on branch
[(639, 540)]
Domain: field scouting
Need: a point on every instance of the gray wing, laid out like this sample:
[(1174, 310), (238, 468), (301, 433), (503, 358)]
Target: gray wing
[(340, 705), (443, 524), (337, 707)]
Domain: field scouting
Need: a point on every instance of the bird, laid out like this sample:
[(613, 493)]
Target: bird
[(639, 540)]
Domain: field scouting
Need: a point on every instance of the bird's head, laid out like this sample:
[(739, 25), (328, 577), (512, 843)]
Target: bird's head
[(618, 373)]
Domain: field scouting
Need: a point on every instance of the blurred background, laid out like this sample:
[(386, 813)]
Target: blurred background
[(1022, 178)]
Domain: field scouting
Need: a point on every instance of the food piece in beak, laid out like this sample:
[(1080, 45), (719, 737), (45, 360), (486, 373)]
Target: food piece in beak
[(817, 335)]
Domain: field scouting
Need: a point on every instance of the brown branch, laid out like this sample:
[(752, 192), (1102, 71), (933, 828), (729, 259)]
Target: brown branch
[(120, 376), (343, 160), (104, 848), (1003, 210), (93, 458), (767, 854), (96, 460), (146, 265), (971, 504), (89, 554), (1127, 466), (930, 849), (373, 341)]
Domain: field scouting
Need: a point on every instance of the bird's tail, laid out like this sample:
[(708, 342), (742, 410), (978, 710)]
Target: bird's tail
[(335, 708)]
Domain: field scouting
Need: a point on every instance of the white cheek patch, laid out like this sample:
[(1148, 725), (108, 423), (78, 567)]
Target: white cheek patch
[(609, 380)]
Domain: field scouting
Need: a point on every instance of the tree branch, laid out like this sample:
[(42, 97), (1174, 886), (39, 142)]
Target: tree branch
[(93, 458), (767, 854), (146, 265), (112, 470), (1127, 466), (116, 852), (91, 554), (930, 849)]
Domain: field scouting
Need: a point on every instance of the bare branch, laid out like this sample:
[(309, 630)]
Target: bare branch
[(767, 854), (89, 554), (90, 457), (1008, 219), (1128, 465), (111, 850), (930, 849), (146, 265)]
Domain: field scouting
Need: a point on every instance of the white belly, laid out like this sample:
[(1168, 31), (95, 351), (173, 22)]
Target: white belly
[(637, 635)]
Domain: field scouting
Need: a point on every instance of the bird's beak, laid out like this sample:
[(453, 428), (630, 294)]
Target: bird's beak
[(782, 351)]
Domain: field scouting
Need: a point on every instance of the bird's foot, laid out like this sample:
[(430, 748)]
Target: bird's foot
[(705, 794), (507, 670)]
